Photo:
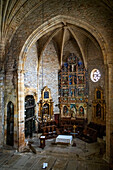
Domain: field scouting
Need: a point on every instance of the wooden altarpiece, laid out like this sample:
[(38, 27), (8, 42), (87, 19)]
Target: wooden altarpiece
[(46, 105), (99, 115), (73, 89)]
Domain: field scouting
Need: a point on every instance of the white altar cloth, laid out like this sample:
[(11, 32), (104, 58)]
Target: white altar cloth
[(64, 139)]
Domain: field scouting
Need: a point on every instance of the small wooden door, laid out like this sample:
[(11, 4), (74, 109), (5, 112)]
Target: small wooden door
[(10, 124), (56, 117), (29, 115)]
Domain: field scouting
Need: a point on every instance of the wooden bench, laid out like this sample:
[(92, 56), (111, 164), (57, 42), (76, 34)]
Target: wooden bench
[(89, 134), (49, 131)]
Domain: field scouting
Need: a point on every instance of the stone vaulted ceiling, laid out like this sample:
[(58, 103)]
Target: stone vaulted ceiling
[(62, 35), (13, 13)]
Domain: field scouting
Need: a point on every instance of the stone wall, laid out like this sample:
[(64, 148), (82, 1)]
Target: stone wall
[(94, 60), (50, 73), (30, 68), (10, 94)]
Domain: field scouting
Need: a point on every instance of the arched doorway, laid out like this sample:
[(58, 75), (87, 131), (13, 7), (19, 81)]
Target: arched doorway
[(29, 115), (10, 124)]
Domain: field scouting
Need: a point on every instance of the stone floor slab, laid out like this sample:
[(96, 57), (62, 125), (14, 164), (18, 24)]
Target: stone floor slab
[(82, 157), (21, 162)]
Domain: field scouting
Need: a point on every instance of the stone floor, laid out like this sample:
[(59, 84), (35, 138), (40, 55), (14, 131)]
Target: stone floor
[(59, 157)]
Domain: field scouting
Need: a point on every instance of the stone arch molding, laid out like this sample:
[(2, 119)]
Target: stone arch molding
[(38, 33), (54, 23)]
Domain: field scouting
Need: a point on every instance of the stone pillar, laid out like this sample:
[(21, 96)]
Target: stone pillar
[(109, 115), (1, 107), (2, 45), (21, 134)]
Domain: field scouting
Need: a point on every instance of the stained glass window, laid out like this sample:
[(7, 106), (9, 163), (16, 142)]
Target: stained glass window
[(95, 75)]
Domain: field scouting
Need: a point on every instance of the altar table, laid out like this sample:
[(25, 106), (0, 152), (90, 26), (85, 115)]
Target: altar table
[(64, 139)]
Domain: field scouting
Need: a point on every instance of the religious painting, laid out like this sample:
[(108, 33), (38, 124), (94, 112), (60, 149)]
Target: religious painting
[(81, 111), (46, 109), (72, 92), (98, 94), (73, 110), (62, 92), (80, 79), (75, 91), (75, 79), (81, 91), (65, 80), (46, 95), (98, 110), (70, 79), (65, 110), (65, 92)]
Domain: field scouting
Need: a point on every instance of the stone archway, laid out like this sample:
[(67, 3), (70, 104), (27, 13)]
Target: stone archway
[(38, 33), (54, 23)]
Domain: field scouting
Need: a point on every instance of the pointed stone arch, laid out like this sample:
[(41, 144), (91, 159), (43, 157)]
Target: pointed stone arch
[(55, 23), (35, 35)]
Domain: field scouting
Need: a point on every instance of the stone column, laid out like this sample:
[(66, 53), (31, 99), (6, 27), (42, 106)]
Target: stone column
[(2, 45), (1, 107), (109, 114), (21, 134)]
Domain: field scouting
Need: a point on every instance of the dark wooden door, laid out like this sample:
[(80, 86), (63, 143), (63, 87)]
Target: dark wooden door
[(29, 115), (56, 117), (10, 124)]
